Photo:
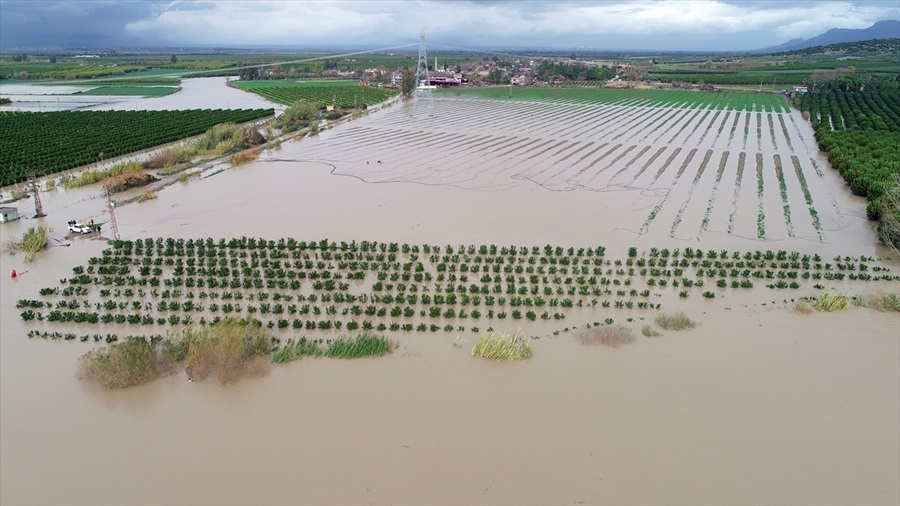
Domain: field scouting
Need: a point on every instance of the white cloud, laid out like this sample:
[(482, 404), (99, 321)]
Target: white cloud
[(660, 24)]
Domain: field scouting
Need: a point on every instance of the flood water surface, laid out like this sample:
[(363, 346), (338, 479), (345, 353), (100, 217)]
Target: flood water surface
[(756, 405)]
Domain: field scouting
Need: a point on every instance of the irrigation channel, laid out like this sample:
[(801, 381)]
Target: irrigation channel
[(757, 404)]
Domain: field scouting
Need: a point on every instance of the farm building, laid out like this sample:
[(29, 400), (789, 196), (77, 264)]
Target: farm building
[(8, 214)]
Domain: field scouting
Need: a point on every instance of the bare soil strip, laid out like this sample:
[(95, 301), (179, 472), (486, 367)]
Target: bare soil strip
[(656, 209), (807, 196), (647, 165), (690, 193), (712, 196), (742, 157)]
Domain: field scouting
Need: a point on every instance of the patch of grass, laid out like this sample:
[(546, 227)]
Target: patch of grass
[(245, 157), (649, 331), (124, 364), (500, 345), (227, 348), (883, 301), (293, 350), (34, 240), (831, 301), (89, 177), (363, 345), (606, 335), (677, 321), (801, 307), (147, 195), (171, 156)]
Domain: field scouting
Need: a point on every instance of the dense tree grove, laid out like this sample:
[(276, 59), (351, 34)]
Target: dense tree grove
[(573, 71), (857, 125)]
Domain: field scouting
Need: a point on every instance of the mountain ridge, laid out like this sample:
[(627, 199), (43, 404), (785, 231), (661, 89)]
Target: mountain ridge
[(887, 29)]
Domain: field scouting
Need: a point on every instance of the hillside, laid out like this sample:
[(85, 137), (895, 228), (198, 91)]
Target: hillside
[(881, 30)]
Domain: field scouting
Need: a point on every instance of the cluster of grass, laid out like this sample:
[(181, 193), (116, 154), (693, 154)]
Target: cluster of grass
[(606, 335), (171, 156), (831, 301), (89, 177), (34, 240), (230, 348), (228, 137), (500, 345), (883, 301), (363, 345), (147, 195), (649, 331), (132, 362), (293, 350), (677, 321)]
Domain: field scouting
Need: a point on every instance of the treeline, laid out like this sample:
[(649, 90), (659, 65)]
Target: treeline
[(859, 130), (573, 71)]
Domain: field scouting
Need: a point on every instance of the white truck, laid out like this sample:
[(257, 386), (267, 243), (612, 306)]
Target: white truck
[(78, 228)]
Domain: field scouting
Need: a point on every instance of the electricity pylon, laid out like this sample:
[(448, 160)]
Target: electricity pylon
[(423, 81)]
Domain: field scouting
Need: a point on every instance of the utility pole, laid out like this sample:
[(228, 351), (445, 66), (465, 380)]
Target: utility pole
[(35, 191), (111, 207), (423, 87)]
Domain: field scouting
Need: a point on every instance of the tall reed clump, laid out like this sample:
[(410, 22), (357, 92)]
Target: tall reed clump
[(228, 348), (500, 345), (293, 350), (831, 301), (171, 156), (363, 345), (147, 195), (131, 362), (605, 335), (677, 321), (95, 176), (883, 301), (226, 137), (34, 240)]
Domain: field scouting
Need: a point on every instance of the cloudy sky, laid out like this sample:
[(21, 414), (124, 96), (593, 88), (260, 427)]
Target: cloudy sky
[(595, 24)]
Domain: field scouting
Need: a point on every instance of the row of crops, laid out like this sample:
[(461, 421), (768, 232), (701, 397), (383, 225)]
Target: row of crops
[(730, 78), (325, 286), (866, 110), (50, 142), (341, 96), (648, 98), (860, 133)]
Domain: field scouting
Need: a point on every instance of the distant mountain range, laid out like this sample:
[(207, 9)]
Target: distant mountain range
[(881, 30)]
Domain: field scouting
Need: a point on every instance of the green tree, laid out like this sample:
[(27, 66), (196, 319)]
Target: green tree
[(408, 86), (173, 59)]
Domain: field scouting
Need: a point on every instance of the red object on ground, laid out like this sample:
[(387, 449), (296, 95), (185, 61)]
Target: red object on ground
[(13, 274)]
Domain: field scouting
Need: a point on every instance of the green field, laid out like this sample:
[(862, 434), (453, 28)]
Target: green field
[(652, 98), (342, 95), (50, 142), (258, 85), (140, 91)]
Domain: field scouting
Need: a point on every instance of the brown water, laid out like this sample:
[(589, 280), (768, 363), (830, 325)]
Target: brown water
[(757, 405)]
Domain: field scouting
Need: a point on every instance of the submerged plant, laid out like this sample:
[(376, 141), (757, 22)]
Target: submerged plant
[(831, 301), (500, 345), (677, 321)]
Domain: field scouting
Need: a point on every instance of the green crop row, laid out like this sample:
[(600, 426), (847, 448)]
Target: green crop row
[(651, 98), (50, 142), (341, 96)]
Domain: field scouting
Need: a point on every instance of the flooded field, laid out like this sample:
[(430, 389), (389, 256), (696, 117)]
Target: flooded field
[(197, 93), (759, 404)]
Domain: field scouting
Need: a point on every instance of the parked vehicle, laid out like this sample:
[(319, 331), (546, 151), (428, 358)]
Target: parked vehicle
[(79, 228)]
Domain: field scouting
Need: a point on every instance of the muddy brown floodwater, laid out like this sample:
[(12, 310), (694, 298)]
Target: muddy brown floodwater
[(757, 405)]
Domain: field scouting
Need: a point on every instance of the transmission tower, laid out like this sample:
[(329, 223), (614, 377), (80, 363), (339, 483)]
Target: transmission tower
[(423, 81), (111, 207), (38, 209)]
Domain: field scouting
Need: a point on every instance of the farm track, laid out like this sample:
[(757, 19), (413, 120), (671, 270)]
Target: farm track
[(564, 146)]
